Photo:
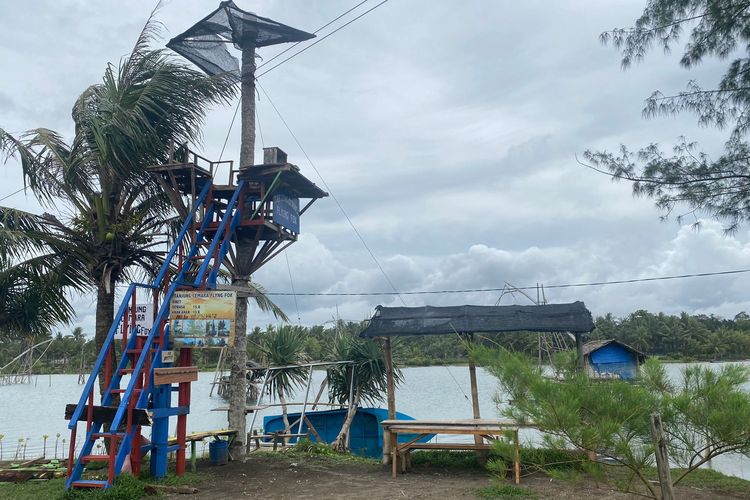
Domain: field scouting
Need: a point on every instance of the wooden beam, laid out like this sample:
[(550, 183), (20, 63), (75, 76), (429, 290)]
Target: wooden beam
[(176, 375)]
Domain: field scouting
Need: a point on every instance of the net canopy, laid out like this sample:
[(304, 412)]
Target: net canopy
[(206, 43), (428, 320)]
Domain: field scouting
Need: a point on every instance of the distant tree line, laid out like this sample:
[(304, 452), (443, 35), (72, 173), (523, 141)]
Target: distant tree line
[(683, 337)]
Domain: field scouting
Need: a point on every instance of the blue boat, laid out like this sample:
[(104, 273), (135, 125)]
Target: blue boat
[(365, 435)]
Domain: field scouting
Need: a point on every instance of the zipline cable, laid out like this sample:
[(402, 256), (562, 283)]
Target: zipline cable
[(293, 55), (494, 290), (314, 33), (333, 196), (321, 39)]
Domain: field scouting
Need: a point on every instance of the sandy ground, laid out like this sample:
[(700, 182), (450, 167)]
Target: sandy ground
[(282, 477)]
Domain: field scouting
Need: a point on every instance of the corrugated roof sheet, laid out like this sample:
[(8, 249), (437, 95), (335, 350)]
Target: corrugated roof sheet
[(429, 320)]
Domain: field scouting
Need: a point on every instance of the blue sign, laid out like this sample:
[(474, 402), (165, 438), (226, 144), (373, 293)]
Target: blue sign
[(286, 211)]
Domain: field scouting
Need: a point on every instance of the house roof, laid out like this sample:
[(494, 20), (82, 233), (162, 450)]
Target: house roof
[(430, 320), (595, 345)]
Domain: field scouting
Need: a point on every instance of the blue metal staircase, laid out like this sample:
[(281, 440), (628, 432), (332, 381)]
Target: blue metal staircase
[(194, 260)]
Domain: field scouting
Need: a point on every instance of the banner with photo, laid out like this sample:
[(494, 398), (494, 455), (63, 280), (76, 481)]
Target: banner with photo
[(202, 318)]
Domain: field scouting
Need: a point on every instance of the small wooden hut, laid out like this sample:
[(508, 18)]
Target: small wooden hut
[(611, 359)]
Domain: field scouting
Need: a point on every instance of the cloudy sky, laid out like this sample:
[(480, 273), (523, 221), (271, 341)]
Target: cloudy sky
[(447, 131)]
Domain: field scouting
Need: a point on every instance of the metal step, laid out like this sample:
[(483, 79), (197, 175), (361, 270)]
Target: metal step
[(97, 435), (95, 458)]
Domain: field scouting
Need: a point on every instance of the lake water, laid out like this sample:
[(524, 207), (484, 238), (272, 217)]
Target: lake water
[(435, 392)]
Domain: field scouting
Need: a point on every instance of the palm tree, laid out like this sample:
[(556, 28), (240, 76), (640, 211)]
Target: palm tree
[(284, 347), (31, 298), (107, 216), (362, 381)]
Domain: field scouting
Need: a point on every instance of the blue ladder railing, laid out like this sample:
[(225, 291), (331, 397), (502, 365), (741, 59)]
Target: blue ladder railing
[(216, 252)]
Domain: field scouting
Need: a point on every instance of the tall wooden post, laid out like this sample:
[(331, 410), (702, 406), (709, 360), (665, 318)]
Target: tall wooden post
[(662, 458), (579, 352), (475, 398), (238, 352), (391, 388)]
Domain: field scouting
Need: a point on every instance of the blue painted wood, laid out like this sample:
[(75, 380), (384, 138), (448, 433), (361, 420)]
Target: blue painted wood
[(366, 433)]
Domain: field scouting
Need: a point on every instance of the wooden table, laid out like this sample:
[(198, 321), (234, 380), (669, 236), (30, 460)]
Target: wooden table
[(488, 429)]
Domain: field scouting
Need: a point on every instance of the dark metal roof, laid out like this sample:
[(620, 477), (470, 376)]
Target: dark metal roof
[(205, 43), (291, 179), (595, 345), (429, 320)]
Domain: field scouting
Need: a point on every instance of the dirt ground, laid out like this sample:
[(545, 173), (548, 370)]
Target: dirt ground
[(282, 477)]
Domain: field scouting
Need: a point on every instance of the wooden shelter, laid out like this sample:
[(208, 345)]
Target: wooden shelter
[(388, 322)]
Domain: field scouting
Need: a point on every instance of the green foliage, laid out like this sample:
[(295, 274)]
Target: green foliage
[(368, 365), (720, 29), (503, 491), (704, 416), (314, 448), (284, 346), (445, 459)]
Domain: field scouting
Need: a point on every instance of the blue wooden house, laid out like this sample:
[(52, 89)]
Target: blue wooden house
[(611, 359)]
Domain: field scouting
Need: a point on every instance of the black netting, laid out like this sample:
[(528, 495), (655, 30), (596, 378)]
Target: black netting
[(205, 44), (428, 320)]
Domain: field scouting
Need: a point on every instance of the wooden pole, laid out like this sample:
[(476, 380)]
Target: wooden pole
[(475, 400), (579, 352), (662, 458), (391, 386)]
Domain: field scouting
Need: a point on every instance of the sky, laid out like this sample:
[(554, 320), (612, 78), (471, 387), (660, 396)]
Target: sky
[(449, 133)]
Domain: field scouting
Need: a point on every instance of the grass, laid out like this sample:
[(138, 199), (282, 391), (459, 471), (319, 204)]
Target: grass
[(126, 487), (306, 448), (502, 491)]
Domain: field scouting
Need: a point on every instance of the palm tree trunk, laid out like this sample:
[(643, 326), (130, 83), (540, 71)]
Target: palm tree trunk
[(341, 443), (284, 412), (237, 380), (105, 313)]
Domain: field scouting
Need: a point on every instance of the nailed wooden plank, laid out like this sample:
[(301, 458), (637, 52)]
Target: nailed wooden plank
[(105, 414), (176, 375)]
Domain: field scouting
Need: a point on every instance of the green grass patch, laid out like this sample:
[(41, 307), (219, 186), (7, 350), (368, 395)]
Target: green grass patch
[(126, 487), (504, 490), (306, 449), (446, 459), (708, 479)]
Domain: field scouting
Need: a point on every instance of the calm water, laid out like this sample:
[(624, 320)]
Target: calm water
[(436, 392)]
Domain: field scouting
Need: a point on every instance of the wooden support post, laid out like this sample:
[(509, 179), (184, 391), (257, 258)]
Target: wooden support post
[(579, 352), (481, 455), (391, 386), (662, 458), (516, 458)]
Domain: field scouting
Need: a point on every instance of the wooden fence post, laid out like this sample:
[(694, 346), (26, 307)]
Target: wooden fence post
[(662, 458)]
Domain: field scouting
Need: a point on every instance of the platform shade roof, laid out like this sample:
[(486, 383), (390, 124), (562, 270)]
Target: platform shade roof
[(205, 43), (428, 320)]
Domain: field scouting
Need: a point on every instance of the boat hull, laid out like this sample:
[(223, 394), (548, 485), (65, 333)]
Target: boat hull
[(365, 436)]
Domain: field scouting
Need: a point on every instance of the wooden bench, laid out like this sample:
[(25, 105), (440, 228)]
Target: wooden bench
[(487, 429)]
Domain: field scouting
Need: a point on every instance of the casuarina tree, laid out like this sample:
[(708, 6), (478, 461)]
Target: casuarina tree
[(686, 176)]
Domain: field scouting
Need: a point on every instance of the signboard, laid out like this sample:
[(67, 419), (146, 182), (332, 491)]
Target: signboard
[(202, 318), (167, 356), (286, 211), (144, 320)]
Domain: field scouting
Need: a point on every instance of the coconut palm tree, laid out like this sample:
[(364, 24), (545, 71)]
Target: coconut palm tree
[(32, 299), (105, 216), (284, 347), (362, 381)]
